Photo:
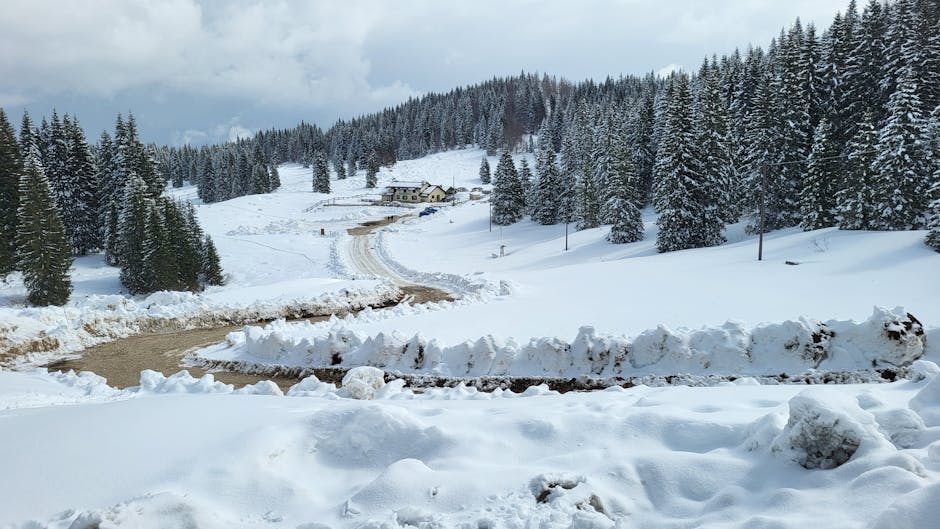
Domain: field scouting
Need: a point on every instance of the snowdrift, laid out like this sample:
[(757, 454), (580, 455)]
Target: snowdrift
[(735, 455), (888, 338)]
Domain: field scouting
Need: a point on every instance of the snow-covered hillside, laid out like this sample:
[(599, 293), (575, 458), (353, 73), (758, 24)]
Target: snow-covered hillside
[(276, 261), (540, 297)]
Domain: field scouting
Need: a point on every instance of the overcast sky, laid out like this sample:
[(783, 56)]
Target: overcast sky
[(209, 70)]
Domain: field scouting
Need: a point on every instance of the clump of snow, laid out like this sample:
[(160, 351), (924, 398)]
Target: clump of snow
[(311, 387), (376, 436), (263, 387), (362, 383), (182, 382), (824, 433)]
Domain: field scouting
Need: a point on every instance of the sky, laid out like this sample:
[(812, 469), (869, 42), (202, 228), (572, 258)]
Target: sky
[(196, 71)]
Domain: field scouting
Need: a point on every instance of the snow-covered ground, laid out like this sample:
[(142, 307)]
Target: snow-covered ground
[(181, 452), (542, 310), (276, 261), (178, 452)]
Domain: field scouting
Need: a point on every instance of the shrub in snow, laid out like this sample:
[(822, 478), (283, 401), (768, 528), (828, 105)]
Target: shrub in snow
[(362, 383), (825, 431)]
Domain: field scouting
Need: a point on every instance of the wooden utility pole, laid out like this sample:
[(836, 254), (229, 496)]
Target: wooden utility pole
[(763, 192), (566, 235)]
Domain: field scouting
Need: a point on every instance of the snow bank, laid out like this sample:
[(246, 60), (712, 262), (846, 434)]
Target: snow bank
[(34, 336), (889, 338), (824, 433)]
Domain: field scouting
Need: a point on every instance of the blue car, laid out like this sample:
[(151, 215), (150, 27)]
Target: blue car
[(427, 211)]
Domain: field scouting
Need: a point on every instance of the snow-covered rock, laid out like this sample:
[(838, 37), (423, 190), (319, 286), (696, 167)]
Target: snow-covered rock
[(825, 432), (362, 383)]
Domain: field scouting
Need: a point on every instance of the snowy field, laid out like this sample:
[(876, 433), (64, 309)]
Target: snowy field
[(180, 453), (276, 261), (541, 310)]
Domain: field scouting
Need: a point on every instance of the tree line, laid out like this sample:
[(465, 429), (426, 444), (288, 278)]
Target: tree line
[(60, 197)]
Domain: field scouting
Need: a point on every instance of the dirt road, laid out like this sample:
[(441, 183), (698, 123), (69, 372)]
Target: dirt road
[(121, 361)]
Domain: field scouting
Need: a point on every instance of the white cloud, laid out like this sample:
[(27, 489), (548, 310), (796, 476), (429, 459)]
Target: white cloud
[(320, 59)]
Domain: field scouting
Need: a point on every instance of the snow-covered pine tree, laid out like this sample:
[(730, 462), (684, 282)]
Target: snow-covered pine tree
[(485, 171), (242, 183), (351, 166), (321, 173), (340, 168), (42, 249), (900, 166), (211, 265), (622, 211), (372, 171), (676, 177), (29, 136), (855, 200), (187, 242), (795, 132), (644, 150), (140, 159), (134, 226), (207, 191), (508, 202), (525, 180), (818, 196), (716, 194), (11, 170), (588, 206), (274, 177), (547, 192), (161, 270), (81, 209), (260, 183)]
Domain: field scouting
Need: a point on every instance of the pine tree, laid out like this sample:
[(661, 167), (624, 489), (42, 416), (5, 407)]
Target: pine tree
[(547, 191), (372, 171), (321, 174), (340, 169), (717, 190), (588, 206), (260, 182), (351, 166), (485, 171), (622, 210), (274, 177), (11, 171), (855, 200), (161, 268), (42, 250), (207, 189), (134, 223), (817, 199), (507, 196), (186, 242), (81, 208), (525, 181), (900, 166), (678, 182), (211, 267)]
